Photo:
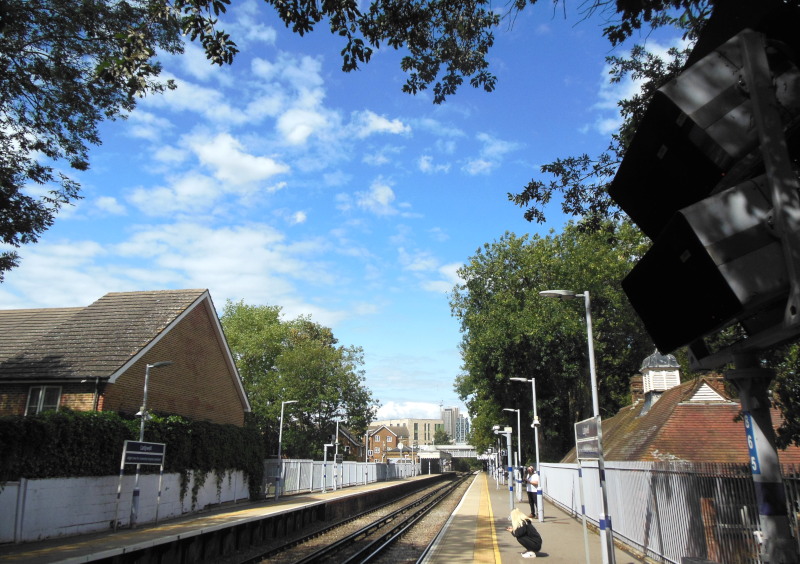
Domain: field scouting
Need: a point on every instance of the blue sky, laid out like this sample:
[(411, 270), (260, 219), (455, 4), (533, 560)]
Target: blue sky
[(281, 180)]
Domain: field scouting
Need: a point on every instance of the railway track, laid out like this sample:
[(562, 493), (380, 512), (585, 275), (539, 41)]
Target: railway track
[(376, 532)]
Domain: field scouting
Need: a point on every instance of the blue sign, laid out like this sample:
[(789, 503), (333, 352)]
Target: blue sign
[(755, 465)]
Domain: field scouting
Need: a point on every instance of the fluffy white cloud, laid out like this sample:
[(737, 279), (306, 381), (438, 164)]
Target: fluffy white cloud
[(368, 123), (478, 166), (298, 124), (418, 261), (147, 125), (229, 163), (378, 199), (409, 409), (449, 278), (109, 205), (495, 149), (425, 164), (187, 193)]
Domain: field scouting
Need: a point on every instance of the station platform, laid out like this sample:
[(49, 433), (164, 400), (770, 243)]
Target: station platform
[(476, 532), (107, 545)]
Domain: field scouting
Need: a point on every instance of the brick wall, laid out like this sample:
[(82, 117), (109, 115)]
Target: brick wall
[(75, 395), (379, 441), (13, 398), (199, 384)]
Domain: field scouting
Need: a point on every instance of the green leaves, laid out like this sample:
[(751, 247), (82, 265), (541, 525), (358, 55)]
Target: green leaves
[(73, 444), (581, 182), (299, 360), (510, 331)]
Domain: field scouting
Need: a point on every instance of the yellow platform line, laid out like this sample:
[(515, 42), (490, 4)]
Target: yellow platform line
[(486, 548)]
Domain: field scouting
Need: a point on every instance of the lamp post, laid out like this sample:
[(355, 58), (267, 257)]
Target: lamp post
[(143, 414), (506, 431), (535, 425), (280, 460), (518, 477), (606, 531)]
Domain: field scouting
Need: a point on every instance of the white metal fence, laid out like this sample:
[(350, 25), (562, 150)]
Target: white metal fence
[(672, 510), (309, 475)]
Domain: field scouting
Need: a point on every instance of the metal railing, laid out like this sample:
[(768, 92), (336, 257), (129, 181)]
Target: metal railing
[(674, 510), (309, 475)]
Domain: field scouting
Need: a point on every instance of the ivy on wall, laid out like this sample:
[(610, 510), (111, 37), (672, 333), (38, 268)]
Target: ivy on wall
[(74, 444)]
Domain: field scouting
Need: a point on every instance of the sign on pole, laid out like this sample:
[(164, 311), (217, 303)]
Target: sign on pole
[(587, 446), (138, 452)]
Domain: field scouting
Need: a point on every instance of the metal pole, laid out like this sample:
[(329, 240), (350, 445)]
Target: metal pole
[(325, 466), (539, 497), (606, 530), (517, 472), (583, 512), (135, 501), (280, 460), (510, 469), (752, 381), (335, 454)]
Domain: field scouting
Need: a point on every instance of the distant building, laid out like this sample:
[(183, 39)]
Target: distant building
[(420, 431), (693, 421), (462, 430), (383, 440), (450, 419)]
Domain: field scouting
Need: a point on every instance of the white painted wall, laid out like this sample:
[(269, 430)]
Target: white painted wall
[(39, 509)]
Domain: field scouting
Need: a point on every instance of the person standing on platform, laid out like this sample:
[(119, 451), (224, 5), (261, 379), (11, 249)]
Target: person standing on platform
[(531, 486), (526, 534)]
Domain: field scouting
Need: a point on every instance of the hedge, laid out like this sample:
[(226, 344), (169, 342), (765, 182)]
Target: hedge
[(74, 444)]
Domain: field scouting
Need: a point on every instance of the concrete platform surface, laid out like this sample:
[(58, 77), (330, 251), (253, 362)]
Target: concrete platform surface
[(476, 532)]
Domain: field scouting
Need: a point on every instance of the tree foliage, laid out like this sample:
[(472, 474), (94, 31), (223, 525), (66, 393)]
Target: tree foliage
[(440, 437), (66, 66), (581, 182), (297, 360), (67, 443), (509, 330)]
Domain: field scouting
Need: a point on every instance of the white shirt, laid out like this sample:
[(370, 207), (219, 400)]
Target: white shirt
[(532, 482)]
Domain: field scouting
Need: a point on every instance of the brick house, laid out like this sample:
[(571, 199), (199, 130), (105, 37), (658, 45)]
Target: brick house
[(95, 358), (350, 447), (693, 421), (381, 439)]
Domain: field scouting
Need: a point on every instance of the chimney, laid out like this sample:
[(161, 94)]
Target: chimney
[(637, 388)]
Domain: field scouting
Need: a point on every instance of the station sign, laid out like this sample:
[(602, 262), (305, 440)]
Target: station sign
[(136, 452), (587, 445)]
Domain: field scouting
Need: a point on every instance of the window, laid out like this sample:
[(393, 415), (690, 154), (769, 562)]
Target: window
[(43, 398), (377, 450), (377, 438), (347, 449), (389, 439)]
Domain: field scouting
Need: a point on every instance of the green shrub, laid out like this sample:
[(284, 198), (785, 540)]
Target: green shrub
[(74, 444)]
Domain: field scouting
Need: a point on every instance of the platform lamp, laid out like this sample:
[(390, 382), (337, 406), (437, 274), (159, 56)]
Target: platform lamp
[(519, 455), (535, 425), (145, 416), (606, 531), (280, 460)]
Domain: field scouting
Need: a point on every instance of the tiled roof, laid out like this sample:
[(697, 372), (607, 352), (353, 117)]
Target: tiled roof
[(19, 328), (94, 341), (675, 427)]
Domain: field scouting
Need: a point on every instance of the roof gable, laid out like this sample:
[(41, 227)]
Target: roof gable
[(95, 341), (705, 393), (696, 421)]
